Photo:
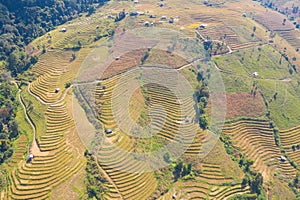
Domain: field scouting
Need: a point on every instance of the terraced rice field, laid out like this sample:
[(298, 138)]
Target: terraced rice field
[(55, 74), (19, 153), (114, 158), (293, 37), (210, 184), (157, 95), (56, 162), (289, 138), (274, 21), (118, 165), (56, 158), (225, 34), (256, 140)]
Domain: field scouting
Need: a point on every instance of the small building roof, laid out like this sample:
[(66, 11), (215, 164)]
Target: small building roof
[(108, 131), (282, 158), (110, 17), (63, 30), (255, 74), (187, 119)]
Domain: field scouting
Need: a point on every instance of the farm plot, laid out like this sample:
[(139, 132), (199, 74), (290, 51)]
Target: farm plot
[(56, 162), (293, 37), (263, 60), (274, 21), (154, 95), (216, 177), (290, 141), (114, 157), (80, 33), (256, 140), (242, 104), (55, 73)]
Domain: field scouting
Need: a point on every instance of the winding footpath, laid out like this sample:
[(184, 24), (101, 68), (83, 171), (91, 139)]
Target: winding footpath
[(35, 150)]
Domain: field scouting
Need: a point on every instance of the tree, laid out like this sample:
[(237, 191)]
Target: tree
[(283, 22), (254, 29), (67, 85), (73, 56), (13, 61), (203, 122)]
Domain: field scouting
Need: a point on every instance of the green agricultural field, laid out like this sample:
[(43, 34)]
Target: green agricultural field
[(265, 60)]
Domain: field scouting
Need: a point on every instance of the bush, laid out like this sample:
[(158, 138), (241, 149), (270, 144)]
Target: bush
[(67, 85)]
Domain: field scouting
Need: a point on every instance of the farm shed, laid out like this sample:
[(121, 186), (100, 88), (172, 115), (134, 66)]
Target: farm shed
[(163, 17), (255, 74), (202, 26), (63, 30), (282, 158), (108, 131)]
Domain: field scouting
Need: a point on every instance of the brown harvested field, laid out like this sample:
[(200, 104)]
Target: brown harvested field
[(125, 62), (242, 104), (293, 37), (133, 59), (274, 21), (161, 57)]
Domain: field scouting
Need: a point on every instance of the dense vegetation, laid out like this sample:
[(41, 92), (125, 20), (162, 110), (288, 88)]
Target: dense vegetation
[(94, 179), (8, 125), (202, 95), (22, 21)]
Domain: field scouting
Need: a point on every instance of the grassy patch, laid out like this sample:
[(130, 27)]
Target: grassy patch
[(264, 60), (35, 110), (285, 108)]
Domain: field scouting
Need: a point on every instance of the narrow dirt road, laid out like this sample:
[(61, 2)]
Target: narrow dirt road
[(108, 178), (35, 150)]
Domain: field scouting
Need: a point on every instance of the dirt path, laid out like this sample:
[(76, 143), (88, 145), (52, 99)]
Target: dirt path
[(184, 66), (35, 150), (108, 178)]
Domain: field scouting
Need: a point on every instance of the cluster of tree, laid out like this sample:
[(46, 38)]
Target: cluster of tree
[(8, 125), (280, 7), (252, 178), (95, 181), (145, 57), (208, 45), (181, 170), (21, 21), (295, 183), (294, 147), (121, 16), (202, 95)]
